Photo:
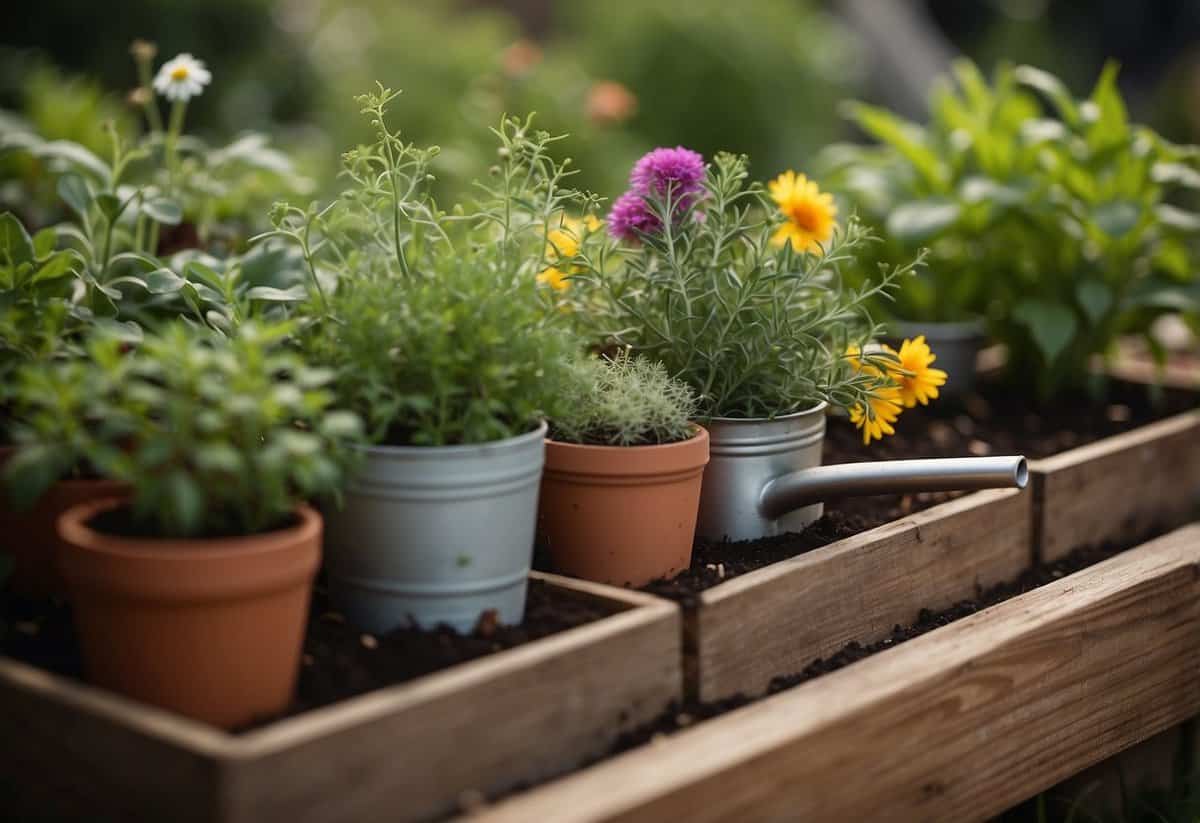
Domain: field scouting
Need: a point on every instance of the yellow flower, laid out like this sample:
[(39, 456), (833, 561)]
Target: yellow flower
[(810, 213), (877, 421), (918, 383), (562, 244), (555, 279)]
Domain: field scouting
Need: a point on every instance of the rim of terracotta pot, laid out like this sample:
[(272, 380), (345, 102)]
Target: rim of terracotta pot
[(185, 568), (665, 458)]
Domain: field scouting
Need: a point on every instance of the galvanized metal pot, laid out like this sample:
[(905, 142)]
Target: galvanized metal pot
[(742, 456), (436, 534), (764, 476), (956, 345)]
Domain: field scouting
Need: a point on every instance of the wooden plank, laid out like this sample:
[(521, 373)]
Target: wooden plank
[(1118, 489), (408, 752), (956, 725), (777, 620)]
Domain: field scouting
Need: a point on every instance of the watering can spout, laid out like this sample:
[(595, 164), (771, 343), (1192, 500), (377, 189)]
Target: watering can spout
[(791, 491)]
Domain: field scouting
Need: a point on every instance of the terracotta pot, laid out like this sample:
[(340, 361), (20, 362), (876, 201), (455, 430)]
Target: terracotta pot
[(209, 628), (29, 536), (623, 515)]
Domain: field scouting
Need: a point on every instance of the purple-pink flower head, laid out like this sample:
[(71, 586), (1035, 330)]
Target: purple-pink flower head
[(630, 215), (678, 170)]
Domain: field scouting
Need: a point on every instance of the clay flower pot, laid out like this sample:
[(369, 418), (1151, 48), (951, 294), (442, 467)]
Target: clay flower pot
[(624, 515), (209, 628), (30, 537)]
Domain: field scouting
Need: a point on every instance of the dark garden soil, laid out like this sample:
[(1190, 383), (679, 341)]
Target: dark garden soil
[(339, 662), (992, 422)]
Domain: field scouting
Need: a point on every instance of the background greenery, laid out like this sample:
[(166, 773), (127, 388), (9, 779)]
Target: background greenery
[(759, 77)]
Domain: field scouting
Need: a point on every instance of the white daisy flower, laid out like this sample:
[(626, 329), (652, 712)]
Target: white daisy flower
[(182, 78)]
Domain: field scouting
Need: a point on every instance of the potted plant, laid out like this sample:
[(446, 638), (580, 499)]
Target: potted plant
[(736, 289), (1053, 223), (623, 467), (443, 334), (191, 592)]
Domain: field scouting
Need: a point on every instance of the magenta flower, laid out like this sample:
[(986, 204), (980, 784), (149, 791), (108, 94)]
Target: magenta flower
[(678, 170), (630, 215)]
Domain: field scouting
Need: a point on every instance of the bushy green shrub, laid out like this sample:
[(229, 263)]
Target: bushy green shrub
[(1049, 215), (623, 401), (756, 328), (214, 435), (435, 323)]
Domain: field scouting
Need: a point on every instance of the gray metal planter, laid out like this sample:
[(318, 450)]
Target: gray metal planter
[(764, 476), (956, 345), (436, 534)]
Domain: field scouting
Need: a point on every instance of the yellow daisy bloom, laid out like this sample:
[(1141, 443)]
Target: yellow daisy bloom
[(555, 279), (918, 383), (810, 213), (884, 411)]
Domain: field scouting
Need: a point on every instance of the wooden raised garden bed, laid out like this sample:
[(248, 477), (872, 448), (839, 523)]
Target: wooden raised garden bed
[(958, 724), (405, 752), (1118, 488)]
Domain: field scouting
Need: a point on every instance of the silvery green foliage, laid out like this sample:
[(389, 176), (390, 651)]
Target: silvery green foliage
[(623, 401), (434, 322), (754, 330), (214, 435)]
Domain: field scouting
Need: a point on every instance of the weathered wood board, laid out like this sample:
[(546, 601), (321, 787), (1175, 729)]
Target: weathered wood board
[(956, 725), (408, 752)]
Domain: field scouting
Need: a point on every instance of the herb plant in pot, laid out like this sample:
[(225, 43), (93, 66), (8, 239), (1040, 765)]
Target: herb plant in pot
[(737, 290), (444, 340), (623, 469), (191, 592), (39, 324)]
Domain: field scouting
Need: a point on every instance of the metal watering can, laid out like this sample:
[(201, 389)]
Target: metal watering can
[(764, 477)]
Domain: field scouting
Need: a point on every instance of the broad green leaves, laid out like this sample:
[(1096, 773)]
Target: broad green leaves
[(1051, 325)]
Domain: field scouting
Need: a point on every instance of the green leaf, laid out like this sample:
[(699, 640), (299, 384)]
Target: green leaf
[(76, 193), (127, 332), (185, 501), (905, 138), (1051, 325), (1117, 217), (339, 425), (1096, 299), (1112, 124), (77, 156), (163, 210), (44, 243), (140, 261), (109, 204), (1176, 174), (164, 281), (1042, 130), (1053, 88), (59, 265), (917, 221), (272, 295), (978, 189), (1176, 218), (15, 244)]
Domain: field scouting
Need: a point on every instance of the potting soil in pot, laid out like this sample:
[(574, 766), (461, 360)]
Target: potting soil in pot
[(339, 661), (992, 422)]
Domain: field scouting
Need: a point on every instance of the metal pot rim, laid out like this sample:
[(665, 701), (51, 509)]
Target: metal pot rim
[(537, 434), (812, 410)]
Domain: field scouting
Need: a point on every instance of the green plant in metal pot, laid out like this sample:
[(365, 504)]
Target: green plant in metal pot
[(447, 337), (190, 591), (737, 289)]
